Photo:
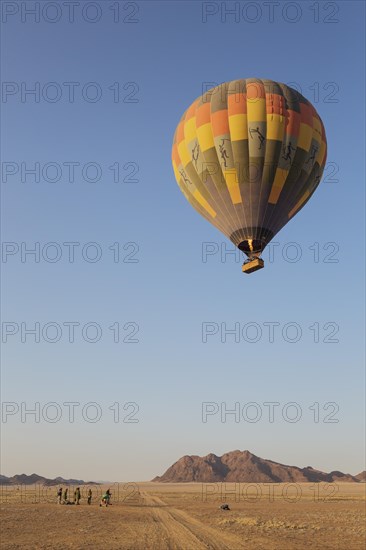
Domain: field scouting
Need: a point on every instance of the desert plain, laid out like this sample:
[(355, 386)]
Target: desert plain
[(187, 516)]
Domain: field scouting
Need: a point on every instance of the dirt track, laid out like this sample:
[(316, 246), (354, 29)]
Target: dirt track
[(178, 530)]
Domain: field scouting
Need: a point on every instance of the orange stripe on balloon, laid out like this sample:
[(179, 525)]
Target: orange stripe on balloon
[(203, 114), (175, 155), (191, 111), (237, 104), (274, 104), (220, 123), (306, 114), (293, 120), (255, 90)]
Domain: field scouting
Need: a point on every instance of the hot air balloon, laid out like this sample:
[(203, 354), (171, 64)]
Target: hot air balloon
[(247, 155)]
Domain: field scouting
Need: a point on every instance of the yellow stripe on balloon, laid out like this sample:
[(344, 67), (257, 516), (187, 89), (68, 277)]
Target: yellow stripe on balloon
[(205, 136), (232, 183), (299, 203), (256, 110), (322, 151), (238, 127), (305, 137), (176, 172), (275, 127), (190, 129), (183, 153), (277, 186), (317, 127), (199, 198)]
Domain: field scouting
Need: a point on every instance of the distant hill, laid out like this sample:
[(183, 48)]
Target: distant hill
[(243, 466), (361, 476), (23, 479)]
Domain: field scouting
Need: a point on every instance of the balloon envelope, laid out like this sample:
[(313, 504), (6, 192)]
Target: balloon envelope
[(248, 155)]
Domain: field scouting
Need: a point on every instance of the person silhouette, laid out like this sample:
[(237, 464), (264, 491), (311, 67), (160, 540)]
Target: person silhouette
[(185, 178), (223, 152), (77, 496), (195, 153), (288, 152), (314, 151), (261, 137)]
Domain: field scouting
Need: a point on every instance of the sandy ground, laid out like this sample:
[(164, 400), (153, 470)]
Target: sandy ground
[(147, 516)]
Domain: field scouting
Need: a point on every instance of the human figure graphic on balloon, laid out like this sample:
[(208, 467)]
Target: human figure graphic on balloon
[(288, 152), (223, 152), (314, 151), (261, 137), (185, 178), (195, 153)]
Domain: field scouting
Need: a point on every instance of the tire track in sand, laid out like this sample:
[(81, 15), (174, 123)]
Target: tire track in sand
[(180, 531)]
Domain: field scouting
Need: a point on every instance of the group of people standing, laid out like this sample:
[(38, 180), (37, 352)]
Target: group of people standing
[(62, 497)]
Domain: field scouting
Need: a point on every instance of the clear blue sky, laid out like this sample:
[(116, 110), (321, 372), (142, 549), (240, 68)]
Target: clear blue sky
[(169, 53)]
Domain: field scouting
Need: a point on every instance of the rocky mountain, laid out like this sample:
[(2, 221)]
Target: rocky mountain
[(243, 466), (23, 479), (361, 476)]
